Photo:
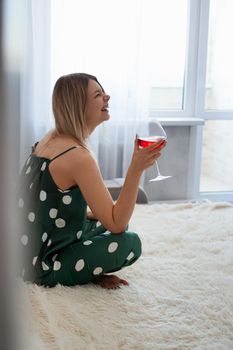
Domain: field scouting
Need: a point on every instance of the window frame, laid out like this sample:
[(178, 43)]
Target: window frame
[(200, 110), (194, 96)]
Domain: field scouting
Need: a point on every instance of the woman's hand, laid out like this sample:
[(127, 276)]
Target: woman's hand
[(143, 158)]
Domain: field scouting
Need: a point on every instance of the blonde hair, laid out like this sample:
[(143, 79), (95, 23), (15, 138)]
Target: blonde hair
[(69, 101)]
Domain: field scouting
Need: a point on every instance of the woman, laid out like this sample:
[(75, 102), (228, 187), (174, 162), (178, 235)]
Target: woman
[(61, 241)]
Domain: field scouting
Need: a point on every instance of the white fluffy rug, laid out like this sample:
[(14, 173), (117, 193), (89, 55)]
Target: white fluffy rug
[(180, 294)]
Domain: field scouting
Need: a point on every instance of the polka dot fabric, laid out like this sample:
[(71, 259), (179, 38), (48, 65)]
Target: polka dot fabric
[(58, 244)]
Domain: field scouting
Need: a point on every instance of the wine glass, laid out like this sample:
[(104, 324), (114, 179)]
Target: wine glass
[(145, 140)]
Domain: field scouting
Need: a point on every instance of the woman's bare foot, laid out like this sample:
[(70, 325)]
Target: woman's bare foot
[(110, 281)]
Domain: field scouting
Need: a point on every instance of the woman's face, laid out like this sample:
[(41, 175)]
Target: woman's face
[(97, 105)]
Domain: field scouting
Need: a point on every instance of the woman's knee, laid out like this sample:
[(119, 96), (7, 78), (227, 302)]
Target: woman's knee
[(134, 242)]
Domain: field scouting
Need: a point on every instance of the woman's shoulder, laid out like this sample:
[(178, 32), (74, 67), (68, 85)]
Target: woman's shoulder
[(68, 153), (81, 156), (52, 146)]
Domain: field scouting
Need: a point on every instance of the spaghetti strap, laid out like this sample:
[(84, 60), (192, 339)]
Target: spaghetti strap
[(34, 147), (60, 154)]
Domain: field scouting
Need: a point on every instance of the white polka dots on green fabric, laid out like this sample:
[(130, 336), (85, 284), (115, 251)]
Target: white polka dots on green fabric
[(87, 242), (63, 191), (56, 265), (53, 213), (79, 234), (34, 260), (59, 244), (24, 239), (98, 270), (44, 236), (106, 233), (28, 170), (31, 216), (79, 265), (43, 166), (45, 267), (66, 199), (130, 256), (60, 223), (112, 247), (54, 257), (43, 195)]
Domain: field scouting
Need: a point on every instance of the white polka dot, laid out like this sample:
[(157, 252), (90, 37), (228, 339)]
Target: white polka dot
[(43, 166), (43, 195), (60, 223), (98, 224), (54, 257), (31, 216), (97, 271), (34, 260), (21, 202), (79, 265), (31, 186), (49, 243), (28, 170), (79, 234), (130, 256), (44, 236), (63, 191), (87, 242), (24, 239), (57, 265), (107, 233), (66, 199), (53, 213), (112, 247), (44, 266)]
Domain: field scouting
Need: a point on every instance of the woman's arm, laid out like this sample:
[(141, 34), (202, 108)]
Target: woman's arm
[(142, 159), (86, 174)]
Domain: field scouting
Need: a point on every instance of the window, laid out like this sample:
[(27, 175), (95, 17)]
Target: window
[(219, 78), (164, 31), (171, 57), (217, 147), (217, 155)]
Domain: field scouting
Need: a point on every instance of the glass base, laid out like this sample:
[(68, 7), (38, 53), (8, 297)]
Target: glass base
[(160, 178)]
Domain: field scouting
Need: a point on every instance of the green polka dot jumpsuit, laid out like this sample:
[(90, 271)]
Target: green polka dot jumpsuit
[(58, 244)]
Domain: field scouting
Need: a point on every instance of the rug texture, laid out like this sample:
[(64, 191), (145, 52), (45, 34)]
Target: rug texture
[(180, 294)]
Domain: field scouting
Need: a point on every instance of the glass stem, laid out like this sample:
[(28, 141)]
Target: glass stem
[(156, 163)]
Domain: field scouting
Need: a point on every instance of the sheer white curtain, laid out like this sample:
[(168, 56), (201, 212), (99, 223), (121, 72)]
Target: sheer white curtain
[(103, 38), (35, 105)]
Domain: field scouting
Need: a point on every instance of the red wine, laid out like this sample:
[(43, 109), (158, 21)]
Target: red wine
[(150, 140)]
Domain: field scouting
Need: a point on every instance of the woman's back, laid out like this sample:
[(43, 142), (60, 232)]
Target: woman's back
[(52, 217)]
